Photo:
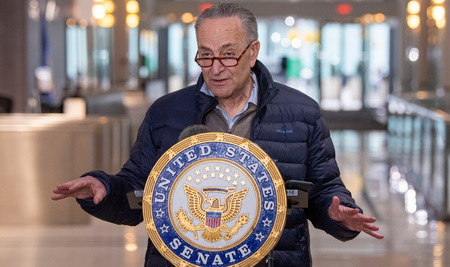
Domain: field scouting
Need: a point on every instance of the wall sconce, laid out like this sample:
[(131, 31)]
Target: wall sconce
[(132, 19), (413, 19), (187, 18), (102, 12), (437, 13)]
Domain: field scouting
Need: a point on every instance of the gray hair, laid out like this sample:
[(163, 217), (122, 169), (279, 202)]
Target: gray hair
[(226, 10)]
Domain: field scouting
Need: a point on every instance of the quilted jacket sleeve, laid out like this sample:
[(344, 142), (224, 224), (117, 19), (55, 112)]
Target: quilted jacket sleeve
[(133, 175), (324, 173)]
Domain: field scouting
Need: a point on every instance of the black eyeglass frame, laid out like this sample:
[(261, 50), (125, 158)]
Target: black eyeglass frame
[(221, 58)]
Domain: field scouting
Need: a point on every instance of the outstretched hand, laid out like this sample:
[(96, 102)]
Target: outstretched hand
[(82, 188), (353, 219)]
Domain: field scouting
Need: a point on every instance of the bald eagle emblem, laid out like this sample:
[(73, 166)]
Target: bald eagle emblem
[(214, 216)]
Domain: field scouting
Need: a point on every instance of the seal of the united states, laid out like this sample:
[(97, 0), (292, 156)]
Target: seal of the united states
[(214, 199)]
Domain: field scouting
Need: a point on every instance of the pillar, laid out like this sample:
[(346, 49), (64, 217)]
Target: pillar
[(445, 46)]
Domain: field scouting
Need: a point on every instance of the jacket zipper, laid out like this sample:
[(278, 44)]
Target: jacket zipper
[(243, 116)]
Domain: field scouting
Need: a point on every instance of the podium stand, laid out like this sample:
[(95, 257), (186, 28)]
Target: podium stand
[(217, 199)]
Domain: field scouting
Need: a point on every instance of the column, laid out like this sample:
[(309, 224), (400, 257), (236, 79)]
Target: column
[(120, 63), (445, 46)]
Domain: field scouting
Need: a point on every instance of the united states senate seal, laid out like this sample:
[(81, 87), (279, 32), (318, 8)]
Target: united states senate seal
[(214, 199)]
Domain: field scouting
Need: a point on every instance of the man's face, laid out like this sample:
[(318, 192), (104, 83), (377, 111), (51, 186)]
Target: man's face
[(225, 37)]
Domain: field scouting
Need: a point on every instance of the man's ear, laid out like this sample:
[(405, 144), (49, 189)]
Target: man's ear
[(254, 52)]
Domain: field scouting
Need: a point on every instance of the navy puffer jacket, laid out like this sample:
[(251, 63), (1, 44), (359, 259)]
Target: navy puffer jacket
[(288, 125)]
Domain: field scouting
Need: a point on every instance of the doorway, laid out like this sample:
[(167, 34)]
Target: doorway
[(354, 66)]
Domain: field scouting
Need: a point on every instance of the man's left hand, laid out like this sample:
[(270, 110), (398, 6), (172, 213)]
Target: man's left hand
[(353, 219)]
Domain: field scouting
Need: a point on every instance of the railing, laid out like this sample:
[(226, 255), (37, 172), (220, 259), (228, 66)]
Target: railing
[(419, 148)]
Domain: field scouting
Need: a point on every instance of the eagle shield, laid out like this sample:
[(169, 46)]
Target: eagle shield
[(213, 219)]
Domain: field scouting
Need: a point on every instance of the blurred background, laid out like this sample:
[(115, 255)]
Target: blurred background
[(76, 77)]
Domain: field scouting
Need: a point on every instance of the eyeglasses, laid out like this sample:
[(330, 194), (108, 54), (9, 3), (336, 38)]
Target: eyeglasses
[(225, 61)]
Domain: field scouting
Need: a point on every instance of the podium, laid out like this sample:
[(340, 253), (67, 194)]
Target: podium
[(216, 198)]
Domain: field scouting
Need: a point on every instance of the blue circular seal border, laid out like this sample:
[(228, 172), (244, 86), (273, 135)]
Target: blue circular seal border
[(211, 146)]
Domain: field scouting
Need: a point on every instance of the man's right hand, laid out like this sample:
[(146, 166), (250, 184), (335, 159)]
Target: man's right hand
[(81, 188)]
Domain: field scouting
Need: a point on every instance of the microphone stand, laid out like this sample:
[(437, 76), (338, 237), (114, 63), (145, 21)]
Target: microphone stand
[(297, 196), (270, 259)]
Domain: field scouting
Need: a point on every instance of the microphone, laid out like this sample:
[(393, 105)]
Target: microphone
[(193, 130)]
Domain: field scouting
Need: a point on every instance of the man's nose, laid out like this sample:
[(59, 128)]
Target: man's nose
[(217, 66)]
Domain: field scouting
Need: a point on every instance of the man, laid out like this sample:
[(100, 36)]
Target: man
[(236, 94)]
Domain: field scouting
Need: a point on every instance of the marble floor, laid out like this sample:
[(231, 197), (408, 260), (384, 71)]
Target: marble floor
[(411, 239)]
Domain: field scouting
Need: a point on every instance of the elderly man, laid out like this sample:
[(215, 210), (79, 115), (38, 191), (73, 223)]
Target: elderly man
[(236, 94)]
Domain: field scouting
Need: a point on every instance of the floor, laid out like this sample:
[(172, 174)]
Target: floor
[(411, 239)]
